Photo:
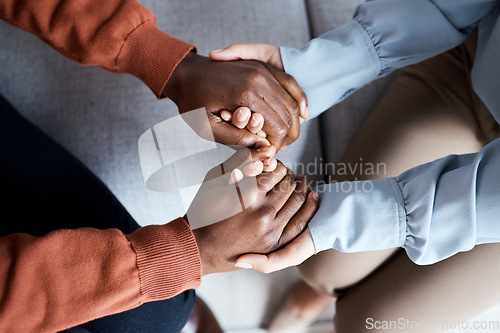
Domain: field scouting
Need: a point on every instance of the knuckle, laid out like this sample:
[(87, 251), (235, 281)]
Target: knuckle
[(272, 242), (299, 227), (289, 175), (288, 183), (281, 129), (246, 95), (295, 107), (288, 121), (263, 230), (262, 182), (280, 170), (261, 227), (260, 224), (257, 74), (289, 80), (264, 219), (267, 213), (301, 224), (295, 230), (300, 197)]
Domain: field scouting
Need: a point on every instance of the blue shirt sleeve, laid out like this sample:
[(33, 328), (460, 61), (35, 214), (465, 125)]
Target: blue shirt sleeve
[(433, 211), (383, 36)]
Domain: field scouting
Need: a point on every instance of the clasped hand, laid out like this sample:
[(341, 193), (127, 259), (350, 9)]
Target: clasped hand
[(274, 97), (255, 215), (256, 220)]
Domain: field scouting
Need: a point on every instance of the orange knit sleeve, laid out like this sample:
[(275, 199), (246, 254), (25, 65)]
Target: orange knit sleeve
[(119, 35), (69, 277)]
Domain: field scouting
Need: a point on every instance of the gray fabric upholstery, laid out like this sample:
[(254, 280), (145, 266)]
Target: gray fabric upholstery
[(325, 15), (340, 123), (99, 116)]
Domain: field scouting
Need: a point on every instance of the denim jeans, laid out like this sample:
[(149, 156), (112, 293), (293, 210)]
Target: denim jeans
[(45, 188)]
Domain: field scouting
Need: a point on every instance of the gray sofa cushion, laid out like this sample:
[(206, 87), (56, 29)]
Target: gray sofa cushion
[(325, 15), (99, 116)]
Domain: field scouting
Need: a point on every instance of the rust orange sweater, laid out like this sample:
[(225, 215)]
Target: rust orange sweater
[(119, 35), (72, 276)]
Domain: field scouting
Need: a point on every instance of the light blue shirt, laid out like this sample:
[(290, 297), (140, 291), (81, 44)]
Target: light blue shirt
[(435, 210)]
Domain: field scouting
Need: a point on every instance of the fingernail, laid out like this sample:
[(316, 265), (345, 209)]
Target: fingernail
[(236, 176), (315, 196), (262, 134), (243, 265), (263, 149), (307, 112), (242, 116), (270, 162), (253, 166), (254, 122), (267, 162), (225, 116), (217, 50)]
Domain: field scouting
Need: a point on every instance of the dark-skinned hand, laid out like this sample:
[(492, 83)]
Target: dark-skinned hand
[(228, 85), (276, 208)]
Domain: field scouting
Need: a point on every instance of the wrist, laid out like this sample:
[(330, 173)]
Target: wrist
[(205, 257), (174, 87)]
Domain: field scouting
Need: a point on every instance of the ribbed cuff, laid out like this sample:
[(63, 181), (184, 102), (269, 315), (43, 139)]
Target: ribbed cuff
[(167, 258), (152, 55)]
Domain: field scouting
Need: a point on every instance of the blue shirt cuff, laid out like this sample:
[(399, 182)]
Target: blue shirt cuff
[(331, 67), (359, 216)]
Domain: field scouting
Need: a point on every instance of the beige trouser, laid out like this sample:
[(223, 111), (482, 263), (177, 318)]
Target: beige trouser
[(429, 111)]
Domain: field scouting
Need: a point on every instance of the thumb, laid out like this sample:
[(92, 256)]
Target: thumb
[(293, 254), (262, 52)]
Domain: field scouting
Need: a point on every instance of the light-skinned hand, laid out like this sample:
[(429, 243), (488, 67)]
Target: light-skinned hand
[(263, 52)]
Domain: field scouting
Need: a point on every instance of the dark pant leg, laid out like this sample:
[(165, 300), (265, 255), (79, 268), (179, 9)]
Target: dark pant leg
[(44, 188)]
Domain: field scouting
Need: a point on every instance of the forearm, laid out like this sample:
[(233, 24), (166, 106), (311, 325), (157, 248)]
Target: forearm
[(69, 277), (383, 36), (119, 35), (433, 211)]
